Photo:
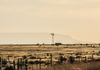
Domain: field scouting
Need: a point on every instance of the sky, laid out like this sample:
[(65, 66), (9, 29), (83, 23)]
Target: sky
[(77, 18)]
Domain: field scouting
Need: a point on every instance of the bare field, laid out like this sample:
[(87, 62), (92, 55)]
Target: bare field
[(24, 50)]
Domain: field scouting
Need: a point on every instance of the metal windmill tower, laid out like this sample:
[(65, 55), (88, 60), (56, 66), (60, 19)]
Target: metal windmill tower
[(52, 35)]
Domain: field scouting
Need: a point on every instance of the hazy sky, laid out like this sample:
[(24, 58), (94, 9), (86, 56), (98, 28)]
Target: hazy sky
[(77, 18)]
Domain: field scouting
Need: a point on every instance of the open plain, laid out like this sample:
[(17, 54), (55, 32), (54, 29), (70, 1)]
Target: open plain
[(85, 55)]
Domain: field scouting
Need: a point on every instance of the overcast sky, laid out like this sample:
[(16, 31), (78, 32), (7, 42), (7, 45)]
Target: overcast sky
[(77, 18)]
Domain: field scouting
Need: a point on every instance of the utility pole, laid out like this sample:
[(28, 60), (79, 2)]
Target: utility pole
[(52, 35)]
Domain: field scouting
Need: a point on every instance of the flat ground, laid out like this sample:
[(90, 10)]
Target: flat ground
[(21, 50), (31, 49)]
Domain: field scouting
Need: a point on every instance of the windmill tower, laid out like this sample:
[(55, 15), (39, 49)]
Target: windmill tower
[(52, 36)]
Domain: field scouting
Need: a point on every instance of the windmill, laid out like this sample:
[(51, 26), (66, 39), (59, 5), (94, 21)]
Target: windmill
[(52, 36)]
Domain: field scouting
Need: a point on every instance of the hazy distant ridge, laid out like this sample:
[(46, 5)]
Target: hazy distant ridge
[(17, 38)]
